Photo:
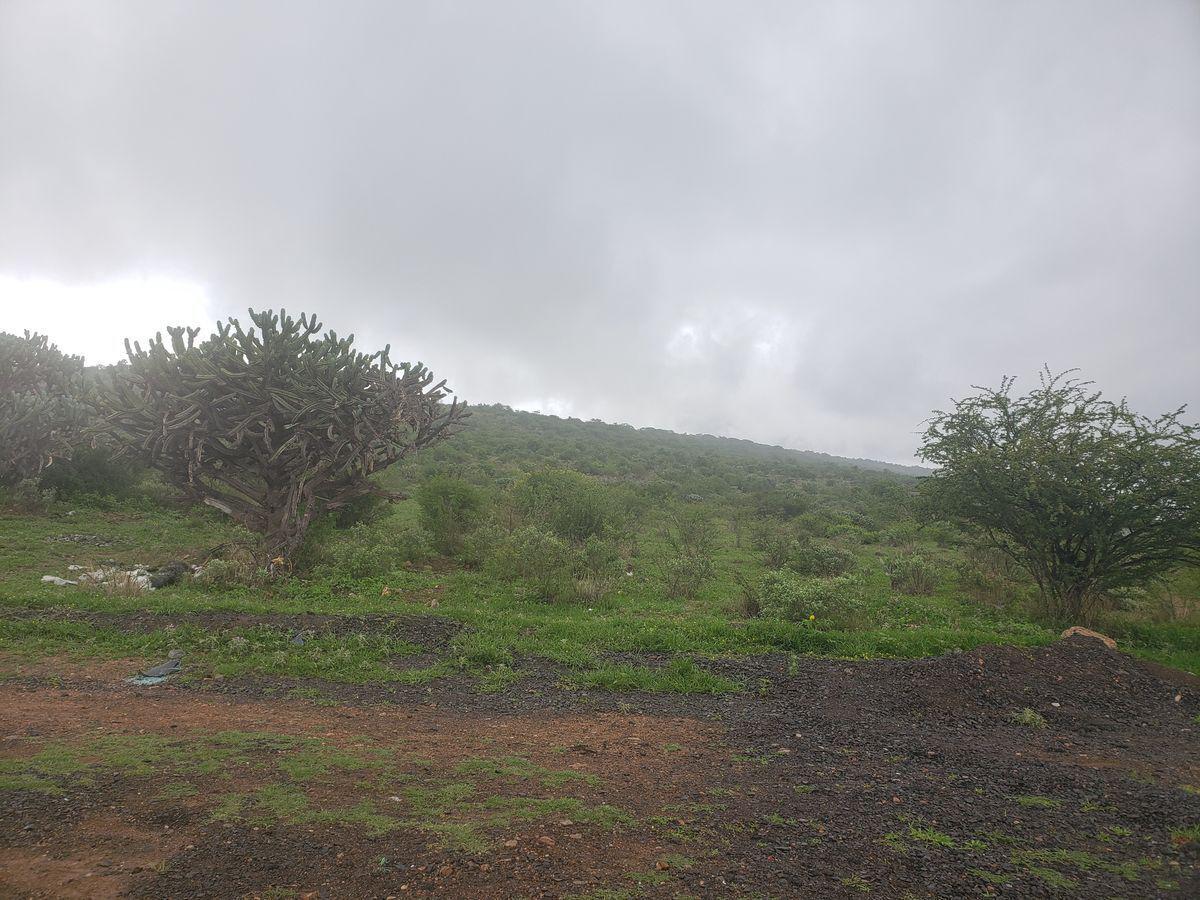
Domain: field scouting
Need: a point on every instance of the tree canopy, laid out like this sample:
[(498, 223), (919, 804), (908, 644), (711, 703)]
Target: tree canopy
[(1088, 496)]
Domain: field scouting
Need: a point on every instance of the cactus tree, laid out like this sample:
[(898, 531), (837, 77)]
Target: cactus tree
[(273, 424), (42, 412)]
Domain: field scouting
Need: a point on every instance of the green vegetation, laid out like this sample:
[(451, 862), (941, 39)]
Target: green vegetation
[(1085, 495), (1030, 718), (384, 790), (785, 536), (1036, 802), (272, 425), (42, 408)]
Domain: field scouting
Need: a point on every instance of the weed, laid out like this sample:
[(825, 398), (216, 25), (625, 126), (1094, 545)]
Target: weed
[(1030, 718), (856, 883)]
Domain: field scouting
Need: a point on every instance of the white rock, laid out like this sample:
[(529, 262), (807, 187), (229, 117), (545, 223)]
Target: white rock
[(74, 568), (54, 579)]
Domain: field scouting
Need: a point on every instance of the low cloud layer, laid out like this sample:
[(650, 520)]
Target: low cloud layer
[(805, 224)]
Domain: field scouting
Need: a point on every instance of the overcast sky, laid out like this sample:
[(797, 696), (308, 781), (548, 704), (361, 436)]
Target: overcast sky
[(805, 223)]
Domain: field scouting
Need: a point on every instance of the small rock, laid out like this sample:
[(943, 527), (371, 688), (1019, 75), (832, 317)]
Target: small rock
[(546, 841), (576, 836), (1087, 632), (446, 871), (54, 579), (662, 865), (162, 670), (510, 843), (566, 823)]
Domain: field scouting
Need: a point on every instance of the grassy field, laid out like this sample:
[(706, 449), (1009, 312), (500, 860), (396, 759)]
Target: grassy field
[(504, 627)]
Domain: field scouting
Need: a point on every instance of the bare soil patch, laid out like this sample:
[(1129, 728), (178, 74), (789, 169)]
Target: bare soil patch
[(822, 778)]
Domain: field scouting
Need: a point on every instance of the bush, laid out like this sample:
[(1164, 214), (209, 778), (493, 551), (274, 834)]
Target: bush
[(546, 564), (572, 506), (238, 566), (912, 573), (684, 576), (28, 496), (92, 472), (774, 541), (367, 550), (479, 546), (820, 559), (836, 602), (362, 510), (992, 579), (450, 508)]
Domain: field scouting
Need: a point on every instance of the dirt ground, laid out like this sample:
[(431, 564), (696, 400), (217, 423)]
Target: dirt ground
[(824, 778)]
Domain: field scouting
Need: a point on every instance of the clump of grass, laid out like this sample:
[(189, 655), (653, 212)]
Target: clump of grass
[(1028, 717), (1036, 802), (930, 836), (857, 883), (1185, 834)]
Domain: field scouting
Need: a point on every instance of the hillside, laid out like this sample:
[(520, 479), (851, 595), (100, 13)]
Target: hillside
[(579, 660), (529, 440)]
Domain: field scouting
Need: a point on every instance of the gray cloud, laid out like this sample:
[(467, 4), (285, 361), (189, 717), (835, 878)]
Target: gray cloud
[(806, 224)]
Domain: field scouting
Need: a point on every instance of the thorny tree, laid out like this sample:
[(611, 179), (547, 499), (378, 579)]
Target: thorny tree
[(273, 426), (1087, 496)]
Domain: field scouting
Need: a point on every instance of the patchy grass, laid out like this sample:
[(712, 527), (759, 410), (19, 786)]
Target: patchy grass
[(1032, 801), (455, 813), (930, 836)]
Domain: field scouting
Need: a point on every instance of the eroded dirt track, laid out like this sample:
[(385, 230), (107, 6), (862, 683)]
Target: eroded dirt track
[(823, 778)]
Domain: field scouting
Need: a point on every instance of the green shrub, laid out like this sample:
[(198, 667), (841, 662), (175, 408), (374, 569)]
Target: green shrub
[(91, 472), (238, 566), (775, 541), (542, 562), (684, 576), (366, 550), (571, 505), (28, 496), (480, 544), (820, 559), (362, 510), (835, 602), (450, 508), (913, 574), (900, 534)]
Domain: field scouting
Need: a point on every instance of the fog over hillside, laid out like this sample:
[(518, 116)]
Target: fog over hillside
[(806, 224)]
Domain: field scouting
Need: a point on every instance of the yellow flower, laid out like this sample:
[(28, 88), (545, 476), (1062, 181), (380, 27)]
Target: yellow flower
[(811, 617)]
